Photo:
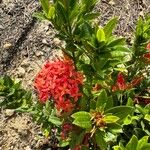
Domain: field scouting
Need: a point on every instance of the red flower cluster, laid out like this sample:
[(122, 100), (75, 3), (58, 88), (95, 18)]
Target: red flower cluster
[(66, 128), (60, 81), (147, 55), (148, 46), (122, 85)]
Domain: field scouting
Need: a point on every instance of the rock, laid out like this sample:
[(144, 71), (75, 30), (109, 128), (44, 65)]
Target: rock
[(112, 2), (28, 148), (56, 41), (7, 45), (44, 41), (9, 112), (25, 63), (1, 27), (39, 53), (50, 32), (21, 72)]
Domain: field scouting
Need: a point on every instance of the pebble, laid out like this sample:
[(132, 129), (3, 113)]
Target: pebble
[(9, 112), (25, 63), (7, 45), (44, 41), (1, 27), (57, 41), (28, 148), (39, 53), (21, 72), (112, 2)]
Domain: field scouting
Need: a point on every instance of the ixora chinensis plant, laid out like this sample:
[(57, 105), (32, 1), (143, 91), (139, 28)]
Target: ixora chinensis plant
[(93, 90)]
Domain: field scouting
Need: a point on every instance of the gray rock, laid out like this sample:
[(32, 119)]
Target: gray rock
[(39, 53), (21, 72), (9, 112), (25, 63)]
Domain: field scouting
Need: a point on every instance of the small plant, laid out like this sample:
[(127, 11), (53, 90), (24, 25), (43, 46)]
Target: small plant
[(12, 95), (103, 109)]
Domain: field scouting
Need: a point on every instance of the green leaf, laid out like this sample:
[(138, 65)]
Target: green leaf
[(8, 81), (130, 119), (145, 147), (88, 4), (45, 5), (116, 42), (102, 99), (82, 119), (121, 111), (111, 119), (51, 12), (142, 143), (117, 148), (100, 35), (100, 139), (147, 117), (46, 132), (114, 128), (122, 48), (39, 16), (76, 138), (109, 103), (55, 120), (129, 102), (119, 54), (109, 27), (90, 16), (132, 144), (64, 143)]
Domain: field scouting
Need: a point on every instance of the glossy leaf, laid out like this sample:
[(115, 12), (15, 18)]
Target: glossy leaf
[(45, 5), (147, 117), (55, 120), (142, 143), (132, 144), (114, 128), (100, 139), (108, 29), (120, 41), (51, 12), (100, 35), (102, 99), (82, 119), (111, 119), (39, 16), (121, 111)]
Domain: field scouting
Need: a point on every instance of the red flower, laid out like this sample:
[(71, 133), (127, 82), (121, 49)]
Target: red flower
[(148, 46), (147, 55), (120, 83), (66, 128), (60, 81)]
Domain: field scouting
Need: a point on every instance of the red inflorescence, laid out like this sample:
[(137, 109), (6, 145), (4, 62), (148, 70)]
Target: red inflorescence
[(148, 46), (66, 128), (60, 81), (122, 85), (147, 55)]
